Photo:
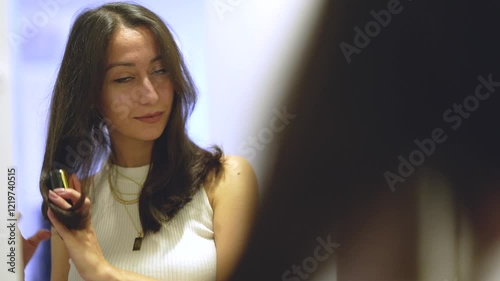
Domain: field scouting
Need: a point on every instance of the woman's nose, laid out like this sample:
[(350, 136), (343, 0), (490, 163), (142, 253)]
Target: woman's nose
[(146, 92)]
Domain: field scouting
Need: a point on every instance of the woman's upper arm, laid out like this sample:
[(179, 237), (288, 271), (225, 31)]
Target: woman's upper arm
[(60, 258), (235, 201)]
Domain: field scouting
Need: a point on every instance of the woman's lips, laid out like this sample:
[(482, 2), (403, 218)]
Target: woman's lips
[(150, 118)]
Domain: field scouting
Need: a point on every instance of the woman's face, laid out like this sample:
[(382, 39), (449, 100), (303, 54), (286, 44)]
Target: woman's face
[(137, 91)]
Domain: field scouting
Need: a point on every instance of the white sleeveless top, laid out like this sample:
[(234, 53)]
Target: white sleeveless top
[(184, 248)]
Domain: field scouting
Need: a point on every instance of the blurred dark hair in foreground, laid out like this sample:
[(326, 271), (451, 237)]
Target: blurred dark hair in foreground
[(393, 156)]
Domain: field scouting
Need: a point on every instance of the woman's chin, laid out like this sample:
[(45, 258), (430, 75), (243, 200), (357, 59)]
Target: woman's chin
[(151, 137), (150, 134)]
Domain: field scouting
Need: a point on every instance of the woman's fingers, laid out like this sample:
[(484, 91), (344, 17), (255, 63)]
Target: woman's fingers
[(61, 196), (58, 200), (68, 193)]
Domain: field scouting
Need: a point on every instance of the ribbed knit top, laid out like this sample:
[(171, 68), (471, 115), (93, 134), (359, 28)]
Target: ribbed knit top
[(184, 248)]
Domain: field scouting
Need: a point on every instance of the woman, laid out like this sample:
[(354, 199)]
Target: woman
[(161, 207)]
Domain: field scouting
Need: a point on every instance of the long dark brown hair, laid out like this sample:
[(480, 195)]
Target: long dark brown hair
[(78, 137)]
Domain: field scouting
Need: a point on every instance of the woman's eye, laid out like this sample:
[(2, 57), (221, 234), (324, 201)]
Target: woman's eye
[(160, 71), (123, 80)]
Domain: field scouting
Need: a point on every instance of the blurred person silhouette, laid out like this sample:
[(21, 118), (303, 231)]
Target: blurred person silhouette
[(143, 201), (408, 89)]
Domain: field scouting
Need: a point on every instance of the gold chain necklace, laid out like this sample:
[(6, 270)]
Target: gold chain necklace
[(130, 179), (115, 191), (138, 239)]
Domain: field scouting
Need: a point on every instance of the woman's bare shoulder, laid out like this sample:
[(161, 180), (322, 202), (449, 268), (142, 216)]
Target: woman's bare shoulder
[(236, 172)]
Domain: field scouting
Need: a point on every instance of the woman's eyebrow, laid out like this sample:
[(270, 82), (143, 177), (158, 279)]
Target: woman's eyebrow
[(130, 64)]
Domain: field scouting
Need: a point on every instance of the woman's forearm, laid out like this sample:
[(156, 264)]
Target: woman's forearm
[(116, 274)]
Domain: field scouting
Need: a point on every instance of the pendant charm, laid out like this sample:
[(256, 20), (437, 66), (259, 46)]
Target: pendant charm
[(137, 243)]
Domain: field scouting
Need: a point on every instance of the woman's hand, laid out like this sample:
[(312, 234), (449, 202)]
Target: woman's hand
[(82, 245)]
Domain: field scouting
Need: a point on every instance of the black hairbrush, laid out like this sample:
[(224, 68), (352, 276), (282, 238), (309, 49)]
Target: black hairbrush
[(58, 179)]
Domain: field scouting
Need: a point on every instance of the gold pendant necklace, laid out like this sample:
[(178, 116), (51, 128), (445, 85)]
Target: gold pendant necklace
[(138, 239)]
